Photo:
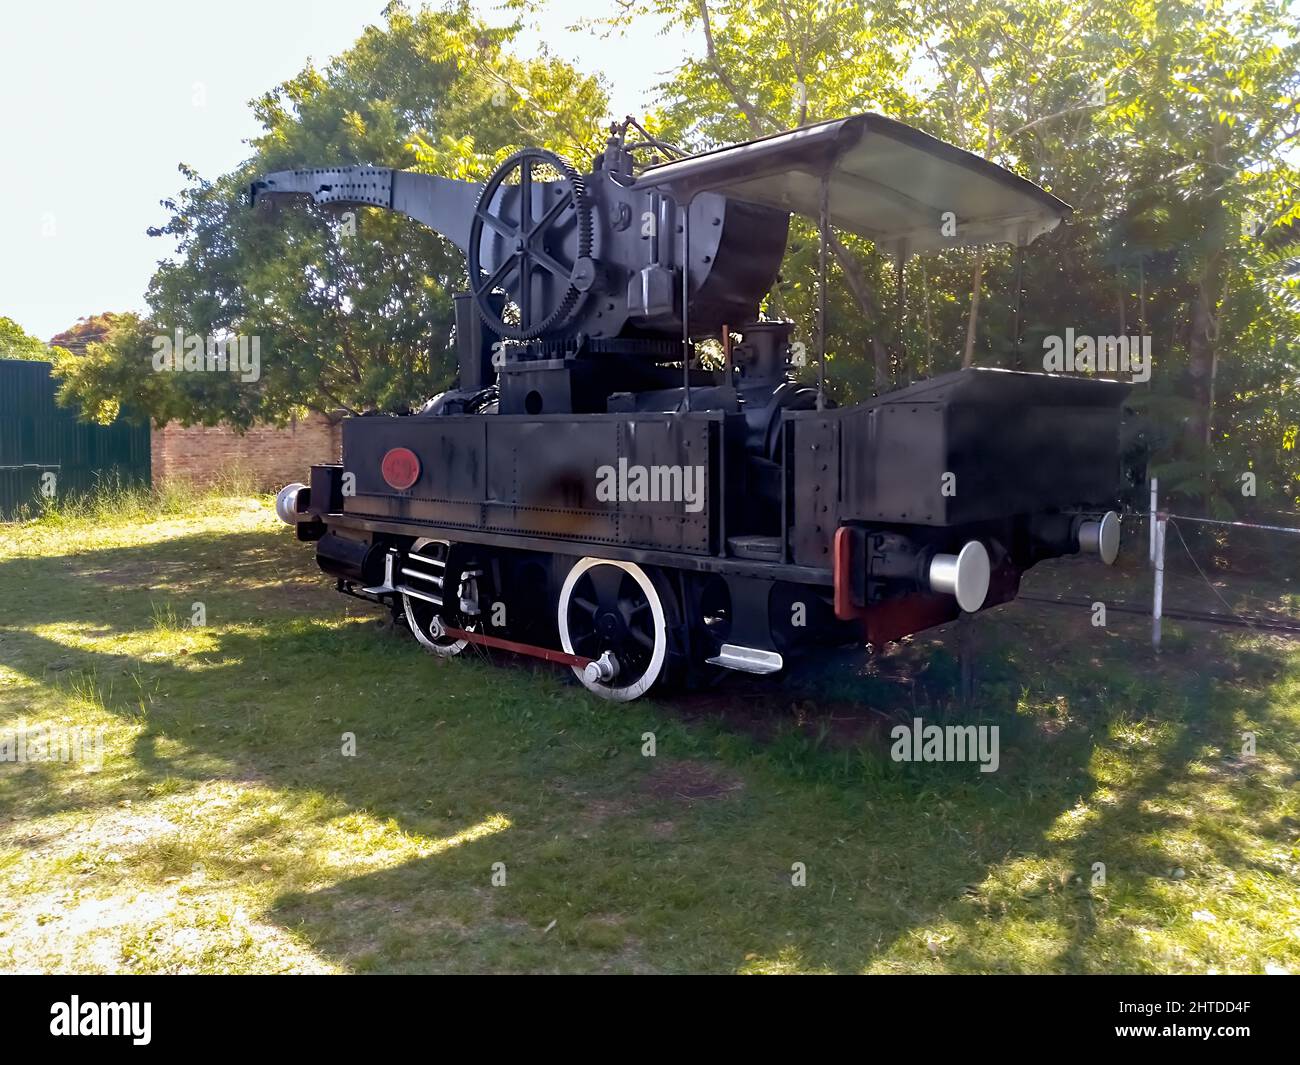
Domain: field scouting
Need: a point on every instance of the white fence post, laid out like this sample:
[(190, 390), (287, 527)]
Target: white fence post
[(1154, 500), (1157, 607)]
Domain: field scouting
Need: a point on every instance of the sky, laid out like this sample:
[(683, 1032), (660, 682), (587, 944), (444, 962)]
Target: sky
[(99, 102)]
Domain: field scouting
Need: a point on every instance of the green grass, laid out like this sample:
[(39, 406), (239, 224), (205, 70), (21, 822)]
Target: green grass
[(226, 831)]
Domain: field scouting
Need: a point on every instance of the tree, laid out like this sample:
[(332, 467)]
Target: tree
[(350, 312), (106, 376), (1172, 128), (92, 328), (17, 343)]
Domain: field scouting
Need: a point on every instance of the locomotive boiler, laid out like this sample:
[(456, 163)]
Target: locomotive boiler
[(589, 492)]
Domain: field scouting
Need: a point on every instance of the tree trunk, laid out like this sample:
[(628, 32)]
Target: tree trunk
[(1201, 353), (861, 289), (1203, 342)]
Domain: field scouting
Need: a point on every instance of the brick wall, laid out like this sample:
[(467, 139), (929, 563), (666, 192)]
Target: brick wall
[(269, 455)]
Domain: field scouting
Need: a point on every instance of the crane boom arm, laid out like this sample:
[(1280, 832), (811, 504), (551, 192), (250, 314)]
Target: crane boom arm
[(444, 205)]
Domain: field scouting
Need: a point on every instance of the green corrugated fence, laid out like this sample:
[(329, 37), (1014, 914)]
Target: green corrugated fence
[(38, 436)]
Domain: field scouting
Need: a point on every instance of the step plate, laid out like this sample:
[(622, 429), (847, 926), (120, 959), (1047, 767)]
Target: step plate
[(747, 659)]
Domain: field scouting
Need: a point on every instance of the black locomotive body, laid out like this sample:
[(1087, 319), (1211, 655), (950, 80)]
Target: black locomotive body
[(588, 493)]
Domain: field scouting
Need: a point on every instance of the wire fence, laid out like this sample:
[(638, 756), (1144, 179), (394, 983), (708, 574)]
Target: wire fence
[(1159, 522)]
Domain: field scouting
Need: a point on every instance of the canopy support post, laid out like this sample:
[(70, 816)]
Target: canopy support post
[(900, 298), (823, 229), (686, 307), (1015, 317)]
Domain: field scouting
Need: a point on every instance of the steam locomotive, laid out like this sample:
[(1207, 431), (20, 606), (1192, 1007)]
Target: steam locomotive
[(592, 494)]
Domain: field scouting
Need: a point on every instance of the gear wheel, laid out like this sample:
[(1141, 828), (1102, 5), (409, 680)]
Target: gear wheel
[(528, 269)]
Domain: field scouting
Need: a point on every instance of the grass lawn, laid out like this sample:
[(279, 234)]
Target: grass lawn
[(226, 831)]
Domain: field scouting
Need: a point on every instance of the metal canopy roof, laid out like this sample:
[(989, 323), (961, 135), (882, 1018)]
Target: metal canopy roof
[(887, 181)]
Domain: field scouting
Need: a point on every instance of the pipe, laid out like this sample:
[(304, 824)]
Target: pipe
[(1020, 292), (686, 307), (823, 229)]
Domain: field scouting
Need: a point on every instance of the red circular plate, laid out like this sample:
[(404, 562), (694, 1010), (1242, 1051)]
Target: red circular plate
[(401, 468)]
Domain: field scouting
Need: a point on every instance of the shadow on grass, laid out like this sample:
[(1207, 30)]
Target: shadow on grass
[(635, 869)]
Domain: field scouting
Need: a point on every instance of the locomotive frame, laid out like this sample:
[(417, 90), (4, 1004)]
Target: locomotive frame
[(489, 518)]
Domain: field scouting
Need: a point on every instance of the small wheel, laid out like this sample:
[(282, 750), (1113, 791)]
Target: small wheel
[(612, 613), (428, 620)]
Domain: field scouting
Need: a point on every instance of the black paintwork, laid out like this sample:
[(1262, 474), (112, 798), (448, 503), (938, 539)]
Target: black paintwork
[(511, 457)]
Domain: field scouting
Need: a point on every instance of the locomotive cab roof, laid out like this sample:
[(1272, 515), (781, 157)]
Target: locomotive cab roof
[(885, 180)]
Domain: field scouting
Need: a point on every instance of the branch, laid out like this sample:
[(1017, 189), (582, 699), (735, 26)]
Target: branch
[(338, 403), (1048, 118), (857, 282), (796, 60), (750, 110), (953, 118)]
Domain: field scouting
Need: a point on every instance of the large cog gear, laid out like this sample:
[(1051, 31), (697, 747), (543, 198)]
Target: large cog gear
[(521, 252)]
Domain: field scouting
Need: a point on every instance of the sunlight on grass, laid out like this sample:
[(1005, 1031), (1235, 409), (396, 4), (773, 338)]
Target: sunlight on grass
[(1073, 822), (136, 522), (788, 961), (155, 641), (226, 831), (176, 882), (359, 841)]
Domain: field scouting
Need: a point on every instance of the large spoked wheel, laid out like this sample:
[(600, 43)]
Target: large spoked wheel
[(530, 244), (426, 572), (613, 613)]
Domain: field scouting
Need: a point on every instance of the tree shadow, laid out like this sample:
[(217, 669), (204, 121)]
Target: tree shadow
[(635, 875)]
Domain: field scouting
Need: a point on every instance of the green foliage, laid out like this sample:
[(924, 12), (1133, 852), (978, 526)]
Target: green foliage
[(1170, 125), (1171, 128), (347, 317), (17, 343), (97, 380)]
